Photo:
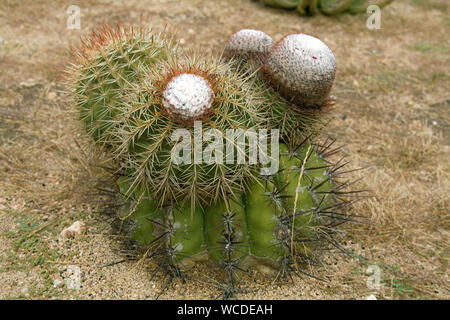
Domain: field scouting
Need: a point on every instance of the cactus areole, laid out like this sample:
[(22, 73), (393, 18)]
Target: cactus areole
[(135, 103)]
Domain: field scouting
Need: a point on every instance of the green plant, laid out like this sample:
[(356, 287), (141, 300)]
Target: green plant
[(137, 94), (327, 7)]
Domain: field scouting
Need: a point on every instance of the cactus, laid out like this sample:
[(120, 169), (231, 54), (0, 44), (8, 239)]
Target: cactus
[(327, 7), (271, 227), (123, 84), (110, 61), (134, 91)]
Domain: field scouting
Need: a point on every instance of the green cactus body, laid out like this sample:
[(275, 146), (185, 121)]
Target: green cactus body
[(139, 98), (360, 6), (125, 89), (261, 224), (111, 62), (332, 7), (313, 183), (144, 231), (327, 7), (140, 210), (295, 124), (186, 239), (263, 219), (270, 209), (226, 231)]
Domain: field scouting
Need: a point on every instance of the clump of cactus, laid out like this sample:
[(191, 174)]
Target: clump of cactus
[(327, 7), (196, 175)]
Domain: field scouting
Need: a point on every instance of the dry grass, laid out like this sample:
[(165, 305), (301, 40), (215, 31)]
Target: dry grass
[(393, 115)]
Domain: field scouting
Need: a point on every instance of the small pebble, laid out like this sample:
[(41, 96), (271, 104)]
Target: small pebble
[(57, 283), (28, 83), (51, 96), (76, 229), (24, 291)]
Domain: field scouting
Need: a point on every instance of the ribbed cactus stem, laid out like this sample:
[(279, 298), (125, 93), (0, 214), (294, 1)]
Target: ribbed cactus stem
[(270, 225), (139, 209), (102, 74), (285, 212), (185, 241)]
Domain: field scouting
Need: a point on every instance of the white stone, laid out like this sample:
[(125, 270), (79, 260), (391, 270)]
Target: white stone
[(73, 277), (24, 291), (51, 96), (57, 283), (76, 229)]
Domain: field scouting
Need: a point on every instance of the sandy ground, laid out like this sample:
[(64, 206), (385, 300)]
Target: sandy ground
[(392, 88)]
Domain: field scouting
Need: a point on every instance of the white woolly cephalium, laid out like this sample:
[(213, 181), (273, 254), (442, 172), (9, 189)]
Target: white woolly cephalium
[(302, 68), (188, 97), (248, 43)]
